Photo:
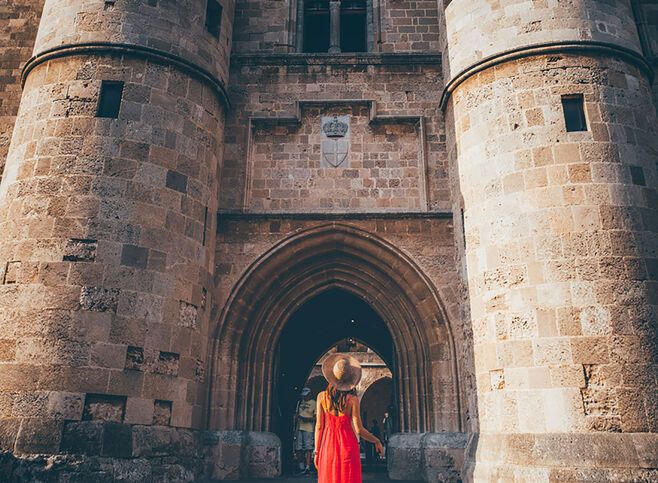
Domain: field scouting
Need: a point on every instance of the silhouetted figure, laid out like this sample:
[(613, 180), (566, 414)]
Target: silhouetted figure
[(371, 454), (387, 423)]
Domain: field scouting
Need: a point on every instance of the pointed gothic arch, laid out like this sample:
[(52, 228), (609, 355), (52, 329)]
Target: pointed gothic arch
[(334, 256)]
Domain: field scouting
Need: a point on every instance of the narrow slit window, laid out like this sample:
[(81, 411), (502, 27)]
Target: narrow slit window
[(109, 102), (574, 113), (213, 17), (316, 26), (205, 225), (353, 26)]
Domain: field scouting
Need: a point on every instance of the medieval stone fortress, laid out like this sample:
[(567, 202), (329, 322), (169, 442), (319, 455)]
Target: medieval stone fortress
[(200, 197)]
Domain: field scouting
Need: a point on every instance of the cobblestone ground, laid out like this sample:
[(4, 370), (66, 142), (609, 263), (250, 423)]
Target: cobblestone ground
[(371, 477)]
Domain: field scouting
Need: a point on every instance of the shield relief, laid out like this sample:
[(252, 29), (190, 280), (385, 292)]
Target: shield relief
[(335, 141)]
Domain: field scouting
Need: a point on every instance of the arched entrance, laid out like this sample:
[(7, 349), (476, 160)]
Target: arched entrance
[(322, 322), (334, 258)]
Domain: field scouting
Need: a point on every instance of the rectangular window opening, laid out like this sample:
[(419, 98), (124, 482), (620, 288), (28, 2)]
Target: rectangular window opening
[(213, 17), (637, 176), (316, 26), (574, 113), (109, 102), (353, 26)]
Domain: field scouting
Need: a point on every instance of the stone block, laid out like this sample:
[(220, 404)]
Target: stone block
[(167, 363), (108, 355), (38, 435), (646, 446), (139, 411), (117, 440), (83, 437), (8, 432), (80, 250), (133, 470), (181, 415), (134, 359), (150, 441), (443, 456), (104, 407), (162, 413), (226, 456), (134, 256), (99, 299), (262, 455), (405, 456), (7, 350), (66, 405), (188, 315), (176, 181)]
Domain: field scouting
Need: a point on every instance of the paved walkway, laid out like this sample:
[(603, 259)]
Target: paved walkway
[(372, 478)]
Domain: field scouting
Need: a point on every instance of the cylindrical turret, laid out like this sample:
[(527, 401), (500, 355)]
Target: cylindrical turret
[(553, 136), (107, 222)]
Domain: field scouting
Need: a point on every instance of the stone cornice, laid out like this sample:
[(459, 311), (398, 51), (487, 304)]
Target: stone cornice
[(586, 47), (245, 216), (366, 58), (110, 48)]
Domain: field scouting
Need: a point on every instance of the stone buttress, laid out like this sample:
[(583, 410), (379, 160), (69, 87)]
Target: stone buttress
[(107, 228), (560, 235)]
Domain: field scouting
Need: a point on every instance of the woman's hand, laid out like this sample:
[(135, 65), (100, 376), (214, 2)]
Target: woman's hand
[(316, 459), (379, 448)]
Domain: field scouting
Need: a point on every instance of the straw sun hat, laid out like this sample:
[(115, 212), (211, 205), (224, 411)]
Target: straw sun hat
[(342, 371)]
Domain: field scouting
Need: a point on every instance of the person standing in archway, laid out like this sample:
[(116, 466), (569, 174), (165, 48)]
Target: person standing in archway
[(387, 423), (305, 423), (337, 454)]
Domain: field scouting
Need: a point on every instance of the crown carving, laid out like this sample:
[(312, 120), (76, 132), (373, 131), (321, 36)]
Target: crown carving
[(335, 128)]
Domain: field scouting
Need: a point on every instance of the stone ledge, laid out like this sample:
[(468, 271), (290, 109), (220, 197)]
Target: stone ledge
[(103, 451), (581, 456), (430, 457), (364, 58), (244, 454), (579, 47), (312, 216), (112, 48)]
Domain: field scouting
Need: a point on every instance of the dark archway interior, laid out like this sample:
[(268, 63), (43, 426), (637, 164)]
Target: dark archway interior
[(376, 401), (316, 326)]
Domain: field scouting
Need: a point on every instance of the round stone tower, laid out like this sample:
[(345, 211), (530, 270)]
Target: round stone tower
[(553, 138), (107, 224)]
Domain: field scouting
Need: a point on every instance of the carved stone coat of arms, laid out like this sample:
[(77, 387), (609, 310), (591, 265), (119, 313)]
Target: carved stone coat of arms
[(335, 141)]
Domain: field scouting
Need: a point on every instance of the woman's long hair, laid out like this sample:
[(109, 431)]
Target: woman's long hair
[(338, 398)]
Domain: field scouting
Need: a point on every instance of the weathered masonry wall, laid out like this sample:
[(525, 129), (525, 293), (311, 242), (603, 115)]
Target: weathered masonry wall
[(396, 159), (243, 238), (18, 29), (560, 238), (91, 282), (495, 29), (107, 230)]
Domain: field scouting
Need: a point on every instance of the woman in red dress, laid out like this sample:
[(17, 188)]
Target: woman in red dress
[(337, 454)]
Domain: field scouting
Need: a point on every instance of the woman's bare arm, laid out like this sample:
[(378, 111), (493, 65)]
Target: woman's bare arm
[(361, 431), (319, 422)]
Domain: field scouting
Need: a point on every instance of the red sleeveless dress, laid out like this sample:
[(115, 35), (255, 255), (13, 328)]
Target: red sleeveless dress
[(340, 456)]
